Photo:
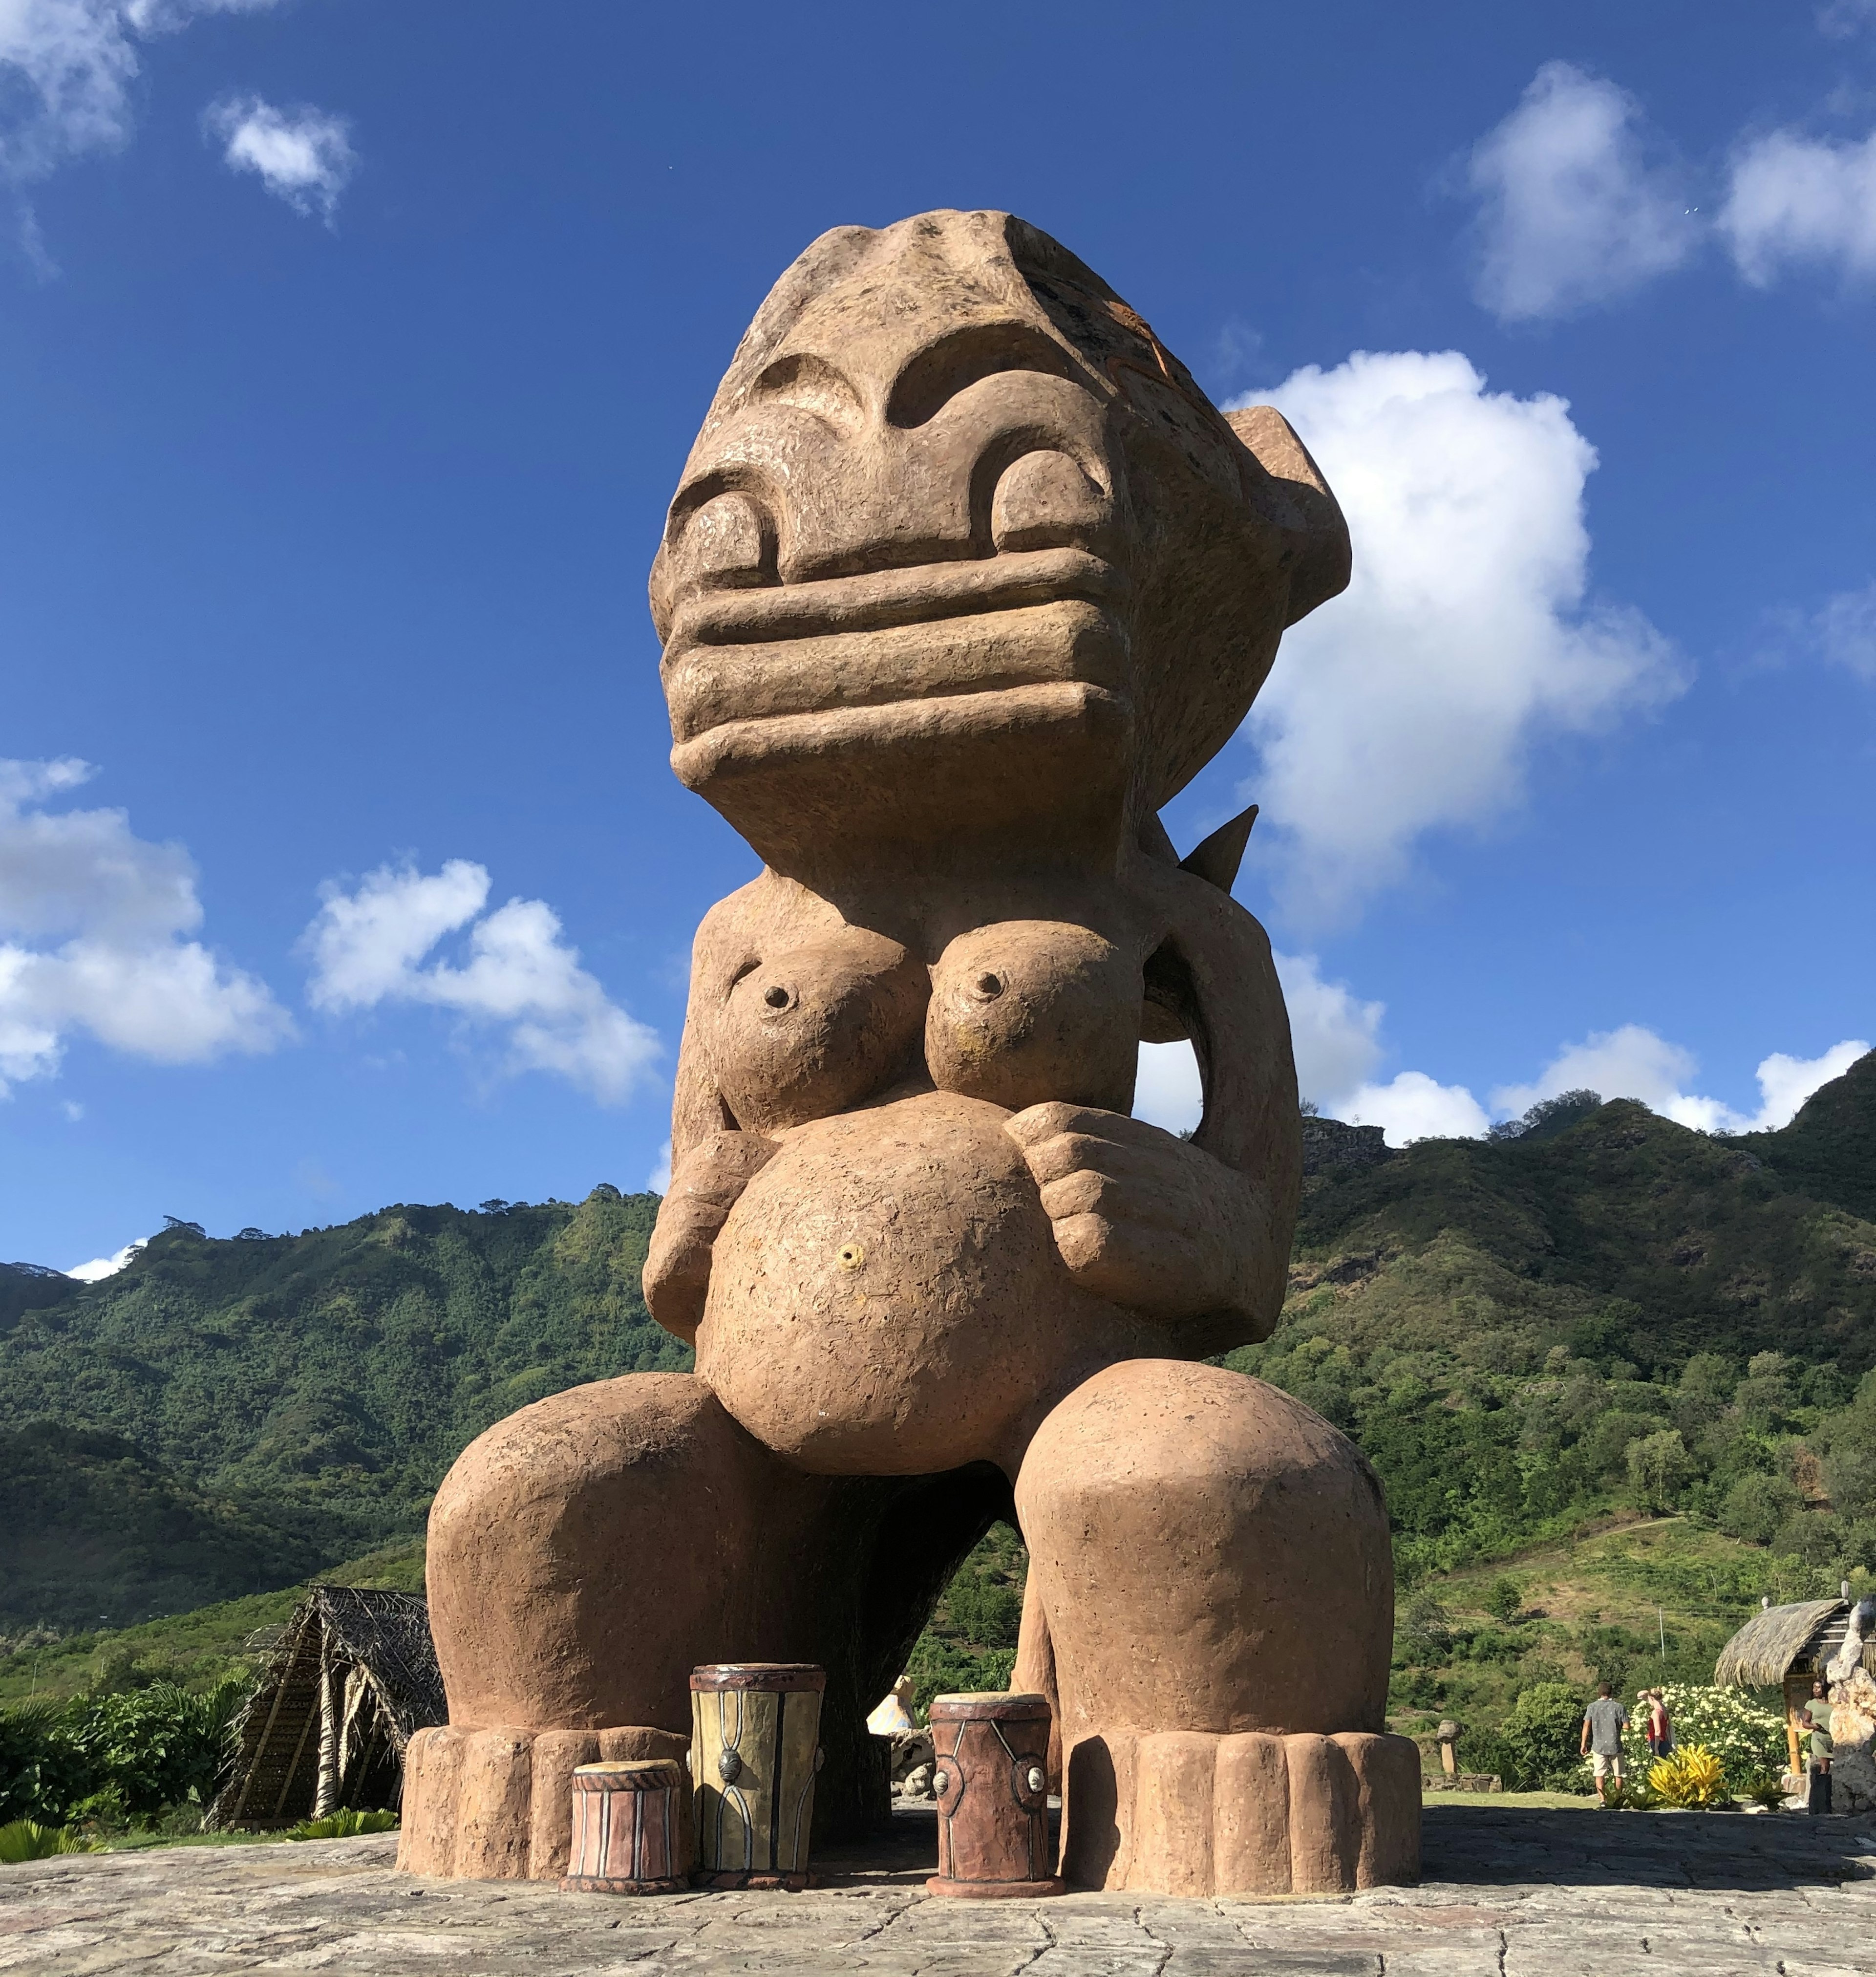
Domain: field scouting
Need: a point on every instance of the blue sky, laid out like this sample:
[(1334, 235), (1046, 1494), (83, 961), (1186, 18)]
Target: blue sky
[(349, 351)]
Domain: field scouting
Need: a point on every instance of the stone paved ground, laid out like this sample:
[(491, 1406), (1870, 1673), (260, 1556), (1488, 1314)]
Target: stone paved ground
[(1510, 1893)]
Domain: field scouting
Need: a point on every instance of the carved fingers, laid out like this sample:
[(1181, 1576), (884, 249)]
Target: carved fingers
[(1140, 1218), (704, 1187)]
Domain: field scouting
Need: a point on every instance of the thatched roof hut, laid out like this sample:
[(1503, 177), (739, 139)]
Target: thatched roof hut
[(350, 1678), (1784, 1641), (1787, 1648)]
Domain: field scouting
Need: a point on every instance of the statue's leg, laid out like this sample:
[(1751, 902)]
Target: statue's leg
[(1213, 1600), (584, 1555)]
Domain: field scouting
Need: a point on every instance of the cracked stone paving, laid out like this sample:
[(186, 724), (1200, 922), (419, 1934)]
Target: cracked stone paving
[(1511, 1893)]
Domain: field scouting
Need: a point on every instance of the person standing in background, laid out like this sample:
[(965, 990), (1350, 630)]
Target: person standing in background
[(1604, 1722), (1818, 1764), (1660, 1729)]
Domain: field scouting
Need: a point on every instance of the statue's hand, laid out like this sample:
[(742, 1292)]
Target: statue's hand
[(1141, 1218), (704, 1188)]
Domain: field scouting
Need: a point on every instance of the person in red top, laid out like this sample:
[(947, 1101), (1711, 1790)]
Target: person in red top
[(1661, 1728)]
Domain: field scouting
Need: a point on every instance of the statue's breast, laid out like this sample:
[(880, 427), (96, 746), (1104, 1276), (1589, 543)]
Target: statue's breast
[(814, 1030), (1024, 1013), (1018, 1012)]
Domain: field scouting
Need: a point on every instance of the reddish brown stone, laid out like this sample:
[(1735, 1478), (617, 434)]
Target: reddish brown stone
[(990, 1778), (964, 580)]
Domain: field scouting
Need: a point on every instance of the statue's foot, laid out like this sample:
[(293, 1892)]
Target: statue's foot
[(1185, 1812), (498, 1804)]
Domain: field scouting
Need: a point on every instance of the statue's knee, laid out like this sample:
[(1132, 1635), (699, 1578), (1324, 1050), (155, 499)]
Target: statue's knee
[(570, 1472), (1223, 1518)]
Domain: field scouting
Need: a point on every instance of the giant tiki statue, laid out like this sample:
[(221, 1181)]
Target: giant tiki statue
[(965, 578)]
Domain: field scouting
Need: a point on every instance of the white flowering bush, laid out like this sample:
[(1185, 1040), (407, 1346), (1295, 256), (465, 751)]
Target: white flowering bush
[(1747, 1738)]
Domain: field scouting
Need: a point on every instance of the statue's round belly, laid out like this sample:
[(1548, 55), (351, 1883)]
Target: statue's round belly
[(886, 1298)]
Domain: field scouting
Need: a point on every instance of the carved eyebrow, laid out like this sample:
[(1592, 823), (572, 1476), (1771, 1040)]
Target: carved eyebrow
[(802, 379), (937, 373)]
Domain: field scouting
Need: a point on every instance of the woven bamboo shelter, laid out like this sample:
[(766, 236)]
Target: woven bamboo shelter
[(351, 1677), (1786, 1648)]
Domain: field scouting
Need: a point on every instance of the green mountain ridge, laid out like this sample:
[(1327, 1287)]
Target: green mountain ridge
[(222, 1417), (1607, 1314)]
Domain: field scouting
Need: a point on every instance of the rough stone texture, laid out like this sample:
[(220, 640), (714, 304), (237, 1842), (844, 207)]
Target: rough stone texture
[(964, 580), (1507, 1894), (1852, 1725)]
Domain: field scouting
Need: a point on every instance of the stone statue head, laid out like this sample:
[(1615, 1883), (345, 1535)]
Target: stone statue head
[(963, 548)]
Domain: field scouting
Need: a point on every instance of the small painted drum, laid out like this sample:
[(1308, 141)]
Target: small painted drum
[(628, 1829), (991, 1780), (755, 1748)]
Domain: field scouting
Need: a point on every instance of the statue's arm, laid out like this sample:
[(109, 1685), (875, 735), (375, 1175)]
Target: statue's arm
[(712, 1161), (1197, 1233)]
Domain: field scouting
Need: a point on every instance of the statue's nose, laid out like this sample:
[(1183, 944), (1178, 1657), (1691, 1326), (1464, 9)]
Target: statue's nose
[(865, 487)]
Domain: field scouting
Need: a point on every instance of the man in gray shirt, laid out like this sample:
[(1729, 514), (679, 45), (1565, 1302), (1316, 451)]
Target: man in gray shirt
[(1604, 1722)]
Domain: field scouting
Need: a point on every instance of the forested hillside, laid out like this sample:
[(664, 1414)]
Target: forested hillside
[(1607, 1310), (224, 1417)]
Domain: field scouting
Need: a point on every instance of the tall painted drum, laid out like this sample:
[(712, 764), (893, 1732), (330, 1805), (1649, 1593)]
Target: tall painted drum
[(991, 1780), (629, 1830), (755, 1748)]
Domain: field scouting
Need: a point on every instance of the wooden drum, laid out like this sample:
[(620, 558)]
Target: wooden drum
[(755, 1748), (628, 1829), (991, 1779)]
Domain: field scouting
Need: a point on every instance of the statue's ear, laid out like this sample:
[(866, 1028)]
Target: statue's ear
[(1320, 563)]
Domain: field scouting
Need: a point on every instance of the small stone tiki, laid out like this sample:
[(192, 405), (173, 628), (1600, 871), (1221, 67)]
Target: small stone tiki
[(965, 578)]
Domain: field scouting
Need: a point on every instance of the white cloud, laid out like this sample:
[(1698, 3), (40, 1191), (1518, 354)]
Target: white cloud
[(1842, 18), (1167, 1089), (65, 70), (304, 156), (1633, 1062), (92, 922), (1571, 210), (1337, 1039), (1796, 199), (1843, 631), (101, 1267), (1411, 702), (658, 1179), (366, 948), (1413, 1106)]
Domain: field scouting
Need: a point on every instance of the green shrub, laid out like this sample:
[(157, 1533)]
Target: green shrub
[(1538, 1745), (1659, 1470), (345, 1824), (26, 1840), (1756, 1507), (1505, 1600), (112, 1759)]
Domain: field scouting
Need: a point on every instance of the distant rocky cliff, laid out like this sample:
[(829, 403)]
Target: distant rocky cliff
[(1329, 1147)]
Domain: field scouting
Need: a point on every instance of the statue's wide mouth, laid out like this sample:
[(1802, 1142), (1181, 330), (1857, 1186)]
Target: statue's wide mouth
[(1029, 619)]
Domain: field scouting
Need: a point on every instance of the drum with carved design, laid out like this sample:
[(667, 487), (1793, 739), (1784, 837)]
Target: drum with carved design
[(755, 1749), (990, 1776), (629, 1831)]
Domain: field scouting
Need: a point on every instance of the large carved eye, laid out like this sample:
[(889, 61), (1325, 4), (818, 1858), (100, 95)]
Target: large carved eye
[(722, 544), (1044, 500)]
